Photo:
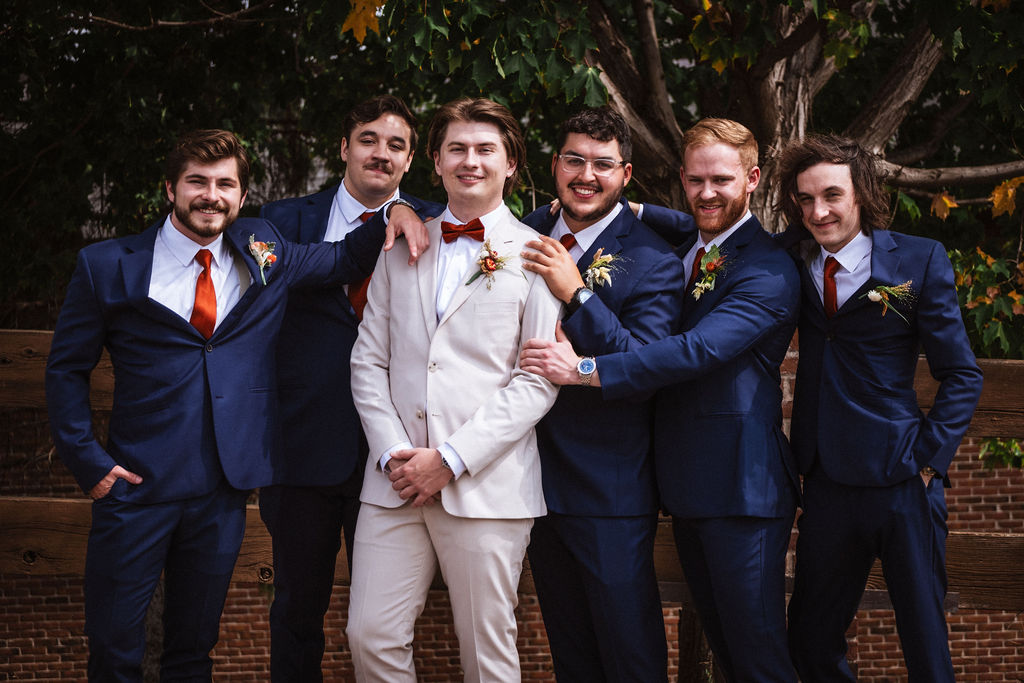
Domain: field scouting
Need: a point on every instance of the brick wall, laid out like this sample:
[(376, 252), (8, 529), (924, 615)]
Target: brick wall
[(41, 622)]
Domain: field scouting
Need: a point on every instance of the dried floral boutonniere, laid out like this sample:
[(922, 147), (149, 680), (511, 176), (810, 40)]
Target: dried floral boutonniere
[(711, 266), (889, 296), (600, 270), (263, 252), (489, 262)]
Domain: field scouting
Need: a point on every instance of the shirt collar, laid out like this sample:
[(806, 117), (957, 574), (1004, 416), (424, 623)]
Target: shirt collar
[(851, 254), (350, 207), (184, 250), (723, 236), (489, 219), (588, 235)]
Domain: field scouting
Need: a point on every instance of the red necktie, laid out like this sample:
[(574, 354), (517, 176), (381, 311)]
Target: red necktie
[(568, 240), (357, 290), (453, 231), (696, 269), (204, 310), (831, 266)]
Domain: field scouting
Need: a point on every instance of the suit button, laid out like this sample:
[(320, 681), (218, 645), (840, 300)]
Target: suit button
[(419, 414), (209, 347), (432, 367), (830, 336)]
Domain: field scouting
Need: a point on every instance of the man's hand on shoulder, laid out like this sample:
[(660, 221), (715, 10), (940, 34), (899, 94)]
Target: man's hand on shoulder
[(555, 361), (104, 485), (402, 220), (420, 475), (552, 262)]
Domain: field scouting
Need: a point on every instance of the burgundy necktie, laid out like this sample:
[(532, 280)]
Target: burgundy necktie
[(696, 269), (453, 231), (204, 310), (357, 290), (568, 240), (831, 266)]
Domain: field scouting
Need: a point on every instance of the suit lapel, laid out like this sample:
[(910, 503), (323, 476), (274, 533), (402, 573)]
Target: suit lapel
[(608, 240), (136, 272), (885, 261), (732, 251), (426, 276), (314, 216)]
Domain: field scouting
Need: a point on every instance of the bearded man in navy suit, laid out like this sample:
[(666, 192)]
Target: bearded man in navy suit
[(725, 471), (874, 466), (318, 476), (592, 554), (189, 311)]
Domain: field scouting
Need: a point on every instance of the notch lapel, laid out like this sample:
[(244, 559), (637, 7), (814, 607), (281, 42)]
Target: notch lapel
[(426, 276)]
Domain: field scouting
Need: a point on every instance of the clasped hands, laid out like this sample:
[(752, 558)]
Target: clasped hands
[(418, 473)]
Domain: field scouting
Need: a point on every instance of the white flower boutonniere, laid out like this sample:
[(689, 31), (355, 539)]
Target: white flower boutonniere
[(600, 270), (888, 296), (263, 252), (489, 263)]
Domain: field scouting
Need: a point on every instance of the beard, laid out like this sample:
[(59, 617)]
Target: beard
[(205, 225), (731, 212), (606, 202)]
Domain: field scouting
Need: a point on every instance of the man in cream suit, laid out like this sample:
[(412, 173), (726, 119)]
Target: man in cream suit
[(453, 475)]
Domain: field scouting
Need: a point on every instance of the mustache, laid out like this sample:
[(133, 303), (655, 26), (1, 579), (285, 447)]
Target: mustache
[(199, 205), (379, 165), (585, 186)]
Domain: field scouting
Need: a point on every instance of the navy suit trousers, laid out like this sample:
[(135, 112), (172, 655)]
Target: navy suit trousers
[(736, 570), (842, 530), (306, 524), (599, 597), (195, 543)]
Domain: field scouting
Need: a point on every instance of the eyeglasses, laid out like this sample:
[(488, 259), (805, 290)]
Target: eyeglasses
[(571, 163)]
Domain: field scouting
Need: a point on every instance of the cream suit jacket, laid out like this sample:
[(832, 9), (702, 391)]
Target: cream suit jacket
[(457, 380)]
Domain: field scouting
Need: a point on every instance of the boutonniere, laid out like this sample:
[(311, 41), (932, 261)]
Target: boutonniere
[(600, 270), (489, 262), (711, 266), (263, 252), (888, 296)]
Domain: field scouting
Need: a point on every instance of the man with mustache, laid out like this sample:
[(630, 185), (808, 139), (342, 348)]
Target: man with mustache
[(317, 478), (188, 311), (592, 554), (724, 468)]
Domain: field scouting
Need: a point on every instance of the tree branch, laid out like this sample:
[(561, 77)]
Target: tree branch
[(221, 17), (879, 120), (614, 55), (940, 128), (657, 94), (937, 178), (787, 47)]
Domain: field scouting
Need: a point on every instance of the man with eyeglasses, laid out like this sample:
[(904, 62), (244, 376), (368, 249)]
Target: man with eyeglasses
[(591, 556)]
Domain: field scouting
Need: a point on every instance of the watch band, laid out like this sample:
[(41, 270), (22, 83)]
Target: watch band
[(400, 201)]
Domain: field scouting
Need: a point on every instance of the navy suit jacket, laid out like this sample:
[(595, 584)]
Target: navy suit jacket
[(854, 406), (596, 455), (322, 434), (719, 446), (187, 411)]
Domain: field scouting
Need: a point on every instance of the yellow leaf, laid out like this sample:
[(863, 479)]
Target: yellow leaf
[(941, 204), (1015, 295), (363, 16), (1004, 197), (719, 65)]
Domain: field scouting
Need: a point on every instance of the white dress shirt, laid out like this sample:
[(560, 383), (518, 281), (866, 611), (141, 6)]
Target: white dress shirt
[(585, 237), (345, 213), (717, 241), (854, 268), (175, 272)]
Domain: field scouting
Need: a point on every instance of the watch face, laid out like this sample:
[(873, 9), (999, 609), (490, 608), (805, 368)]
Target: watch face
[(584, 295), (586, 366)]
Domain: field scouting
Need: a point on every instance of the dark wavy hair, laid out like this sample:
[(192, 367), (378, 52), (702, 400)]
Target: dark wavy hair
[(208, 146), (376, 107), (482, 110), (799, 156), (601, 123)]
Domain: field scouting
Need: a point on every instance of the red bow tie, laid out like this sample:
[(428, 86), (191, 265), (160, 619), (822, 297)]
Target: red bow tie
[(453, 231)]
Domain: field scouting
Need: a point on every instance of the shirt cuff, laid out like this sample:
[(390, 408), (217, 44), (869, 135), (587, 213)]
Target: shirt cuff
[(386, 457), (452, 458)]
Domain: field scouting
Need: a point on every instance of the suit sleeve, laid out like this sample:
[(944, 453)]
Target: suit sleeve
[(675, 227), (649, 312), (760, 302), (330, 263), (77, 346), (371, 363), (512, 411), (951, 362)]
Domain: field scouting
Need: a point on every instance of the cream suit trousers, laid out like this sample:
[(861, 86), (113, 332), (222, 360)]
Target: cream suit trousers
[(396, 554)]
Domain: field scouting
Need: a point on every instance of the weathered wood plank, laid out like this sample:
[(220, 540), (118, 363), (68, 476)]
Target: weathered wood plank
[(23, 356), (1000, 411)]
